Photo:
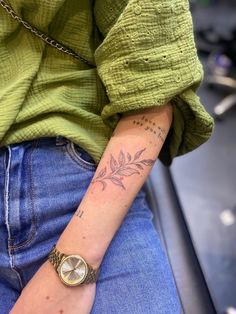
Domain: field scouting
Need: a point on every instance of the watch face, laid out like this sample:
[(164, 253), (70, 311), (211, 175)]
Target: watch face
[(73, 270)]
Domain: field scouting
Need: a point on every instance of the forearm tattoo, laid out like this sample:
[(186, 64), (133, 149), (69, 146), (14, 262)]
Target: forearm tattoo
[(150, 126), (124, 166)]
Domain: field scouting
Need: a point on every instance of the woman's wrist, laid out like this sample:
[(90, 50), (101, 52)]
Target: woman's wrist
[(92, 258), (93, 261)]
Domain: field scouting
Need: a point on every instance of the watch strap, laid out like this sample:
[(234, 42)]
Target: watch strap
[(92, 275), (55, 257)]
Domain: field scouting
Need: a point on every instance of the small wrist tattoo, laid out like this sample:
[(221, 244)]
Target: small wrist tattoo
[(79, 213), (124, 166)]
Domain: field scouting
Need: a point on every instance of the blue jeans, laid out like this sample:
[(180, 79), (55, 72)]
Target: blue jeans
[(42, 182)]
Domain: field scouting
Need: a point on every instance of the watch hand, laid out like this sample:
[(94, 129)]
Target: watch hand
[(68, 271), (68, 267), (79, 261)]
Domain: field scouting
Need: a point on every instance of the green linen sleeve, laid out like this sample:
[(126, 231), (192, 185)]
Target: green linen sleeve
[(148, 57)]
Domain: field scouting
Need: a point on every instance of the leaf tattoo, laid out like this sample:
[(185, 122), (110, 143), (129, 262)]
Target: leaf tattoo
[(113, 163), (137, 155), (127, 171), (147, 162), (124, 166), (121, 158), (117, 181), (102, 172), (129, 156)]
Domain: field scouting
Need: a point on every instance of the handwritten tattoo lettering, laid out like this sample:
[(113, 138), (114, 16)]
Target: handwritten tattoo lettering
[(124, 166), (151, 126)]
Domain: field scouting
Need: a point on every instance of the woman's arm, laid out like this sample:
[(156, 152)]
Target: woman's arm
[(122, 170)]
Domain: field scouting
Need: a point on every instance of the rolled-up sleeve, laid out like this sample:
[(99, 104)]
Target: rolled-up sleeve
[(148, 57)]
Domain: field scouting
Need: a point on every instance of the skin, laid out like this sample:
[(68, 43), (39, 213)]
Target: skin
[(126, 162)]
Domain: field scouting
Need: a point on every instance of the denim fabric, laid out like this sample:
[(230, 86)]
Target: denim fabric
[(42, 182)]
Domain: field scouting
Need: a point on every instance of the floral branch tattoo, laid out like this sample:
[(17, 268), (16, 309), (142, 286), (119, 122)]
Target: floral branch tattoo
[(124, 166)]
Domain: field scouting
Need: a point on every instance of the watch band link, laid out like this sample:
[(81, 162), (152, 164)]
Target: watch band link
[(92, 275), (55, 257)]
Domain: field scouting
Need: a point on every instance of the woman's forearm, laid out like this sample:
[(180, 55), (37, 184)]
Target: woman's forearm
[(121, 172)]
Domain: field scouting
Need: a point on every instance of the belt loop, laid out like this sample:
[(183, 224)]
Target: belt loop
[(61, 140)]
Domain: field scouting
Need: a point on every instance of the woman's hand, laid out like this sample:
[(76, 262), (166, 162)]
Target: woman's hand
[(45, 293)]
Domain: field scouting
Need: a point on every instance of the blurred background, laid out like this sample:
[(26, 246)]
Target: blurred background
[(205, 180)]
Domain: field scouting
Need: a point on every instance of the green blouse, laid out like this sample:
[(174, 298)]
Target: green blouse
[(143, 54)]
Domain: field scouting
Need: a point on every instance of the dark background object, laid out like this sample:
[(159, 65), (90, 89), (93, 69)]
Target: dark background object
[(194, 201), (171, 225)]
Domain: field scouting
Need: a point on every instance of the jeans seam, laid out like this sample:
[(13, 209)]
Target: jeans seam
[(16, 270), (6, 197), (6, 207), (32, 208)]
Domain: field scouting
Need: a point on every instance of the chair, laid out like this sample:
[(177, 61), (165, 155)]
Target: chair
[(170, 224), (229, 101)]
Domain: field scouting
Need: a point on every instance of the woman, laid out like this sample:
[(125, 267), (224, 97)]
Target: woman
[(81, 126)]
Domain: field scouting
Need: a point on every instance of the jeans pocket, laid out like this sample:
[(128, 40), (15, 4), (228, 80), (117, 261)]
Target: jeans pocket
[(80, 156)]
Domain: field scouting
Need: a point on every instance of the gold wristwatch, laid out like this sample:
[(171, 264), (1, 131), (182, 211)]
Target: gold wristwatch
[(73, 270)]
